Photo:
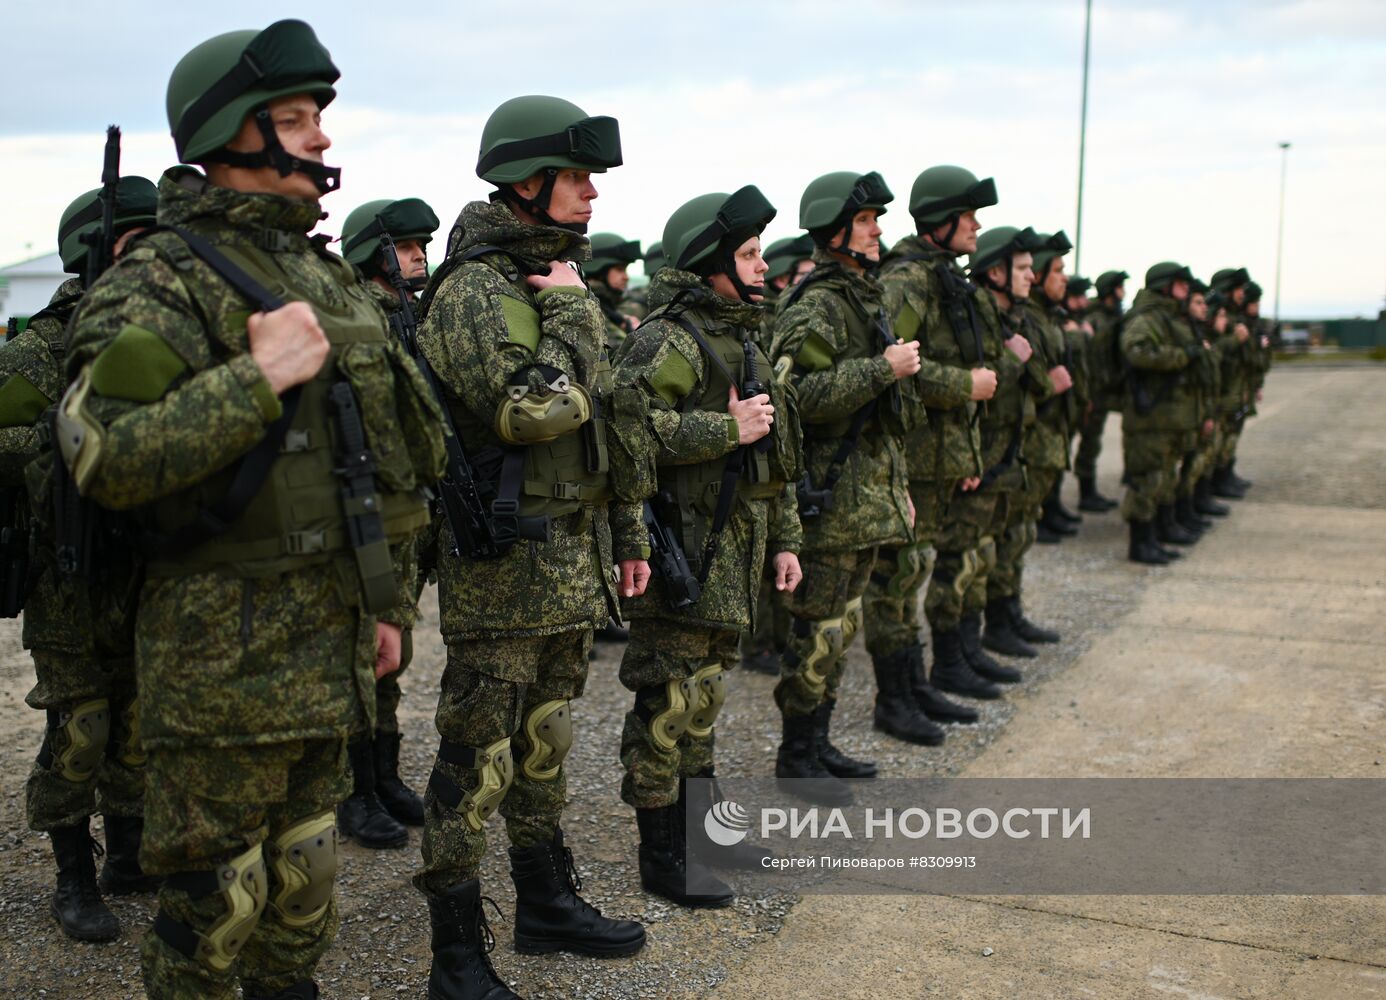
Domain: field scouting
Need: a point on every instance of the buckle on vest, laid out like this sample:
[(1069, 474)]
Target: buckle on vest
[(567, 491), (297, 440), (303, 543), (275, 240)]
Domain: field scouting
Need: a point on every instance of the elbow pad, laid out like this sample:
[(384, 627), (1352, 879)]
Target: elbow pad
[(80, 435), (535, 416)]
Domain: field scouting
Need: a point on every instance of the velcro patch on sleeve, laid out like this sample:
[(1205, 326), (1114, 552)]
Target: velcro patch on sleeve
[(138, 365), (21, 403)]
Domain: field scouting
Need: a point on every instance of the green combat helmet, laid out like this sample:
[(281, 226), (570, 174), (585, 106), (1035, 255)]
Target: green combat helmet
[(608, 251), (942, 194), (405, 219), (1051, 246), (216, 85), (528, 134), (654, 258), (784, 255), (1077, 286), (1230, 278), (830, 201), (702, 235), (1161, 276), (136, 201), (1253, 292), (997, 246), (1109, 281)]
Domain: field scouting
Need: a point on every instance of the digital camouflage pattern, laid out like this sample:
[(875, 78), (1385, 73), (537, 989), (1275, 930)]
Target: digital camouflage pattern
[(1107, 383), (1046, 443), (831, 591), (618, 312)]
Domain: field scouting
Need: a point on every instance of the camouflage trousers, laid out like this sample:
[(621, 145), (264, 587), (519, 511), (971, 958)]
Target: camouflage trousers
[(91, 759), (1151, 457), (891, 605), (1227, 447), (1090, 444), (826, 615), (1198, 461), (387, 689), (1018, 535), (496, 695), (966, 547), (771, 631), (209, 806), (677, 672)]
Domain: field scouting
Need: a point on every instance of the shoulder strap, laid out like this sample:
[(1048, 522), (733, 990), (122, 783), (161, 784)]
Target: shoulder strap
[(518, 267)]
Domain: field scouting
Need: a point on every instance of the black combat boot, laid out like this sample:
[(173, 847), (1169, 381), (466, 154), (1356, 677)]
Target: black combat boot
[(664, 867), (122, 875), (462, 943), (1242, 484), (697, 800), (1053, 523), (952, 672), (1022, 626), (551, 916), (362, 817), (1046, 535), (399, 800), (798, 763), (897, 713), (1001, 636), (1090, 500), (982, 664), (839, 765), (1224, 486), (1205, 502), (304, 990), (1169, 531), (1143, 548), (932, 703), (1188, 518), (77, 903), (1057, 497)]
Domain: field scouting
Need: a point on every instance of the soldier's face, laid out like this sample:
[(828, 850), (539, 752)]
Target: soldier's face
[(1076, 303), (802, 269), (413, 259), (1055, 281), (1022, 275), (1179, 290), (298, 124), (750, 271), (965, 239), (1119, 292), (866, 234), (1220, 321), (617, 278), (1198, 307), (572, 196), (1253, 309), (1238, 296)]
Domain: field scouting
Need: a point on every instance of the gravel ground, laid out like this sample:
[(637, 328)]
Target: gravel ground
[(1079, 587)]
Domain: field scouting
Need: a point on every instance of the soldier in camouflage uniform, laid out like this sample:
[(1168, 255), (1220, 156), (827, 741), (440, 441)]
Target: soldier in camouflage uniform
[(518, 346), (1040, 318), (79, 629), (788, 260), (1215, 332), (1245, 357), (381, 804), (1160, 423), (930, 300), (1195, 462), (712, 399), (1106, 383), (638, 299), (273, 457), (856, 401), (608, 279)]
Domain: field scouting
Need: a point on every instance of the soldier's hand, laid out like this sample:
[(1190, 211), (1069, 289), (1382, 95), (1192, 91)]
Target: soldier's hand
[(630, 323), (1063, 381), (635, 577), (983, 383), (287, 344), (560, 273), (1265, 342), (970, 483), (1243, 334), (1020, 347), (903, 358), (1260, 395), (788, 572), (753, 416), (387, 649)]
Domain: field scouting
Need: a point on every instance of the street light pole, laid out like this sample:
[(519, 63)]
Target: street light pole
[(1280, 229), (1082, 142)]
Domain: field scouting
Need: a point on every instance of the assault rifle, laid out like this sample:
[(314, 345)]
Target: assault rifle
[(681, 584), (101, 244)]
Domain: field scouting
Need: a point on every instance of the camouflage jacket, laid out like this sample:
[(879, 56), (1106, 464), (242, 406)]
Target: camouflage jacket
[(1168, 364), (615, 312), (31, 380), (1105, 370), (1006, 418), (1046, 443), (836, 372), (666, 364), (945, 444), (483, 324)]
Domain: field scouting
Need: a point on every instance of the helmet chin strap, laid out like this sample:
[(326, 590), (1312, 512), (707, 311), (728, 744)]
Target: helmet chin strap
[(726, 264), (943, 244), (325, 179), (1005, 289), (538, 206)]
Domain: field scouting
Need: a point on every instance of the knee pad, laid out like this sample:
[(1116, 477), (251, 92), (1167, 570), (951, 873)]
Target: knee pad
[(985, 554), (303, 859), (909, 570), (667, 709), (927, 558), (710, 687), (242, 884), (853, 619), (76, 739), (1027, 532), (495, 770), (966, 573), (828, 639), (129, 748), (549, 732)]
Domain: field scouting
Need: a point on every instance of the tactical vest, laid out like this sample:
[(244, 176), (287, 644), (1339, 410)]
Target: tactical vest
[(560, 476), (696, 488), (299, 517)]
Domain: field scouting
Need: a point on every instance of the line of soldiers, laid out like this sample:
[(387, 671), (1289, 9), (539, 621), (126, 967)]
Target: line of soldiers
[(244, 455)]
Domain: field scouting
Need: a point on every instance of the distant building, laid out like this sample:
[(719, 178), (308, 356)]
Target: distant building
[(26, 287)]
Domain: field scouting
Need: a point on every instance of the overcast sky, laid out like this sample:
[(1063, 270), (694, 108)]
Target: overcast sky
[(1188, 103)]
